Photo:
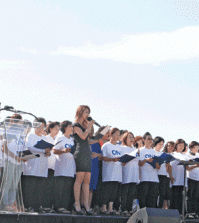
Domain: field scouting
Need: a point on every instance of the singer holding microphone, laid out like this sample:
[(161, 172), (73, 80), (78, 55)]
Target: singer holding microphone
[(82, 128)]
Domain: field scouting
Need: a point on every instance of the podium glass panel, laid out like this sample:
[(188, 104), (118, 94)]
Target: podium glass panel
[(13, 133)]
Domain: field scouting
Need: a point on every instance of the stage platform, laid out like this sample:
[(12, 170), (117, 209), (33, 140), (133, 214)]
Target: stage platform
[(60, 218)]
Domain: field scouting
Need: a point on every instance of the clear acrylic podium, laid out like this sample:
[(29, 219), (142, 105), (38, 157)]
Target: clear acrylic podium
[(13, 133)]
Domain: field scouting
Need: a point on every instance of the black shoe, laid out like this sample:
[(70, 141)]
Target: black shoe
[(190, 216), (40, 210), (51, 211), (30, 209), (104, 212), (113, 213), (89, 212), (125, 213), (77, 212), (196, 216), (62, 211)]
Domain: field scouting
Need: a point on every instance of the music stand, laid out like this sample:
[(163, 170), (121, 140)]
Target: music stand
[(185, 163)]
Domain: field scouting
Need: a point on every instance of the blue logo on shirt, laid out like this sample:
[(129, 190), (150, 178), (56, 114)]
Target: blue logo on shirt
[(68, 145), (148, 156), (137, 154), (115, 152), (20, 142)]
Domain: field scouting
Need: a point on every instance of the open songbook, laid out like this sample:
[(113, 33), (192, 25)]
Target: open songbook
[(128, 157), (163, 158), (42, 144), (102, 133), (166, 158), (27, 155)]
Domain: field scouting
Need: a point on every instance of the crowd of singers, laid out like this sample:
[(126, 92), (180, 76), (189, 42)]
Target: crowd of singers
[(92, 180)]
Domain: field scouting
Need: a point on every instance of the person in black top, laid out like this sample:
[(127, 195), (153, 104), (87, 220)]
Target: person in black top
[(82, 156)]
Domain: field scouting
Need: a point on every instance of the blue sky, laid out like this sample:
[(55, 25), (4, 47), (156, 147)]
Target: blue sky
[(135, 63)]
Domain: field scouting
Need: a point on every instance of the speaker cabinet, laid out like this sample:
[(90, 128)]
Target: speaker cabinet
[(155, 215)]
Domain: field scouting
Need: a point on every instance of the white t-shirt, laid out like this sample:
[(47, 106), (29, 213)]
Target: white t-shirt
[(162, 171), (178, 170), (51, 159), (64, 163), (194, 174), (37, 166), (14, 146), (130, 172), (147, 172), (111, 171)]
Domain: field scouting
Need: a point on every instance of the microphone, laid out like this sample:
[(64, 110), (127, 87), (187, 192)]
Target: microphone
[(6, 107), (89, 119)]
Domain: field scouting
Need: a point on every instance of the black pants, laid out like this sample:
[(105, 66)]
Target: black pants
[(33, 191), (109, 191), (164, 191), (97, 194), (49, 192), (129, 193), (117, 201), (148, 194), (176, 202), (63, 192), (193, 195)]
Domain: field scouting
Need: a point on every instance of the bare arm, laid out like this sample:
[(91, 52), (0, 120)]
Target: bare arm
[(110, 159), (141, 163), (84, 134), (11, 154), (91, 141), (94, 155), (169, 170), (59, 152), (192, 167)]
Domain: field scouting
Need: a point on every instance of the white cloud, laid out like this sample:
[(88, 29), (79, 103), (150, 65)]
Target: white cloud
[(149, 48), (13, 64), (34, 51)]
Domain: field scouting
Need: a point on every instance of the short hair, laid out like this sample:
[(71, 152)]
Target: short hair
[(51, 126), (137, 138), (192, 144), (146, 134), (125, 136), (157, 140), (113, 130), (123, 131), (16, 116), (64, 125), (165, 150), (40, 119), (179, 141)]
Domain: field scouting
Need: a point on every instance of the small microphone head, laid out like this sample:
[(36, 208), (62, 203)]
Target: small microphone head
[(8, 107), (89, 118)]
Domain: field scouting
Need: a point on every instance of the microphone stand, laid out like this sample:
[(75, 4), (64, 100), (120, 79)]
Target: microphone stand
[(17, 111), (185, 164)]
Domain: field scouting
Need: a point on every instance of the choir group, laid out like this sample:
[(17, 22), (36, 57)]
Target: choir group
[(85, 175)]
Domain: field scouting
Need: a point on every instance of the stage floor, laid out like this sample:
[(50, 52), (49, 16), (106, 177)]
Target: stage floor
[(60, 218)]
